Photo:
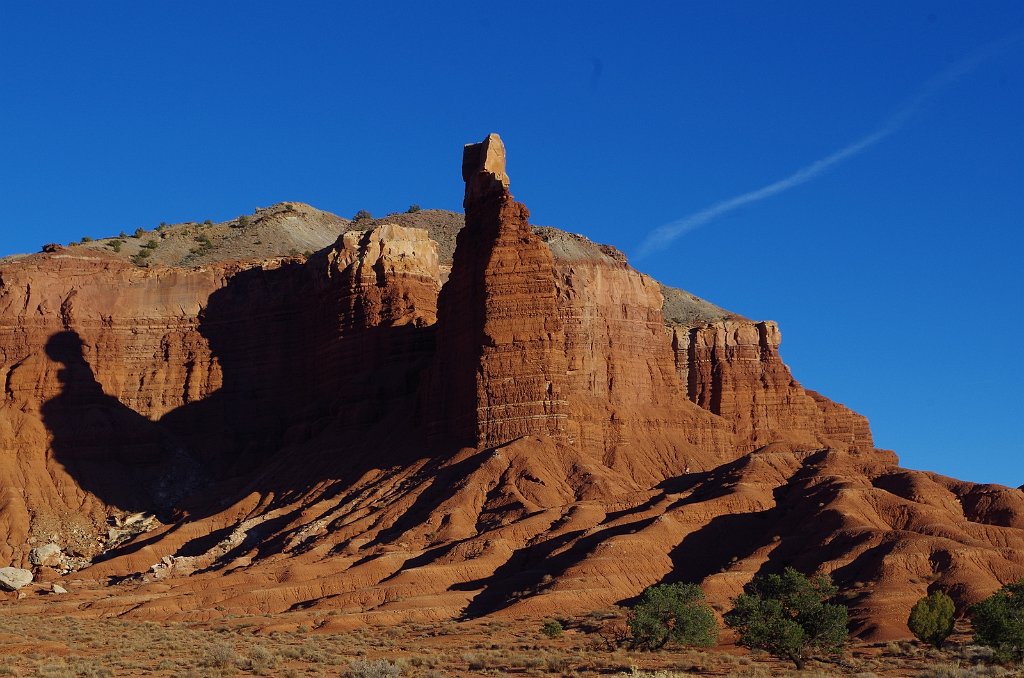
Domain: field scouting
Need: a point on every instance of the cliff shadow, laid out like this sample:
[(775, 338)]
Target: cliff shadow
[(111, 451)]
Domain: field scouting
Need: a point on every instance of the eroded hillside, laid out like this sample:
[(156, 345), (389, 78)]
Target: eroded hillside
[(430, 418)]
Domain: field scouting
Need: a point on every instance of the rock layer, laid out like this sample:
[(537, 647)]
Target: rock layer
[(732, 368), (549, 431), (501, 347)]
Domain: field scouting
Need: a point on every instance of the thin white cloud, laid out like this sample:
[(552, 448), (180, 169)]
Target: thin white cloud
[(663, 236)]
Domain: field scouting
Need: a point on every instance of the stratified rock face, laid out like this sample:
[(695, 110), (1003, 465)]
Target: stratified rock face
[(732, 368), (500, 362), (626, 400), (552, 432)]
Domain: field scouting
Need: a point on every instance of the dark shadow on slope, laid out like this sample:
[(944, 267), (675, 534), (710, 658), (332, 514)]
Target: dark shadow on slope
[(444, 482), (721, 542), (525, 571)]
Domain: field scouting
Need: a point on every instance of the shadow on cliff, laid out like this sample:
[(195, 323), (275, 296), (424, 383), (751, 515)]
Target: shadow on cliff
[(311, 392), (109, 449)]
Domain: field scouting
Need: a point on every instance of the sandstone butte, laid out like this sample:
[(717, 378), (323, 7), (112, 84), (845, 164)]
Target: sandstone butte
[(393, 432)]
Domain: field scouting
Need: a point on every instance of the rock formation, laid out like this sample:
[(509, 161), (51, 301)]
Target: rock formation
[(501, 347), (390, 430), (732, 368)]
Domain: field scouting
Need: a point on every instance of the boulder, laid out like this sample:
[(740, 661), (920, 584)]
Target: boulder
[(45, 556), (14, 578)]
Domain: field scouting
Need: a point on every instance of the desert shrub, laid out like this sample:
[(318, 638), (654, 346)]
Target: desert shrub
[(362, 214), (140, 257), (86, 238), (552, 628), (380, 668), (242, 221), (122, 235), (931, 618), (115, 245), (221, 655), (151, 245), (999, 622), (138, 233), (413, 209), (261, 660), (788, 615), (674, 613), (957, 671), (634, 672)]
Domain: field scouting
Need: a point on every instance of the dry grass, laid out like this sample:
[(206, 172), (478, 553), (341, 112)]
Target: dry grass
[(61, 646)]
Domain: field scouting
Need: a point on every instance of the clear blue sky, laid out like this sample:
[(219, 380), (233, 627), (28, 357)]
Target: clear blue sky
[(895, 275)]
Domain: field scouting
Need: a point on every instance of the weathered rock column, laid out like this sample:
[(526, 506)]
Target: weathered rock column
[(500, 362)]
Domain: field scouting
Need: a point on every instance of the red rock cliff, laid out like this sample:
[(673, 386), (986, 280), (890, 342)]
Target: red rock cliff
[(732, 368), (500, 366)]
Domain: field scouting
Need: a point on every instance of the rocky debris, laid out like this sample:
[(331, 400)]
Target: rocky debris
[(127, 526), (14, 578), (58, 589), (48, 555)]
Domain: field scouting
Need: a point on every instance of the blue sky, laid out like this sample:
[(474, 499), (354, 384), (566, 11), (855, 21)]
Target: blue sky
[(895, 275)]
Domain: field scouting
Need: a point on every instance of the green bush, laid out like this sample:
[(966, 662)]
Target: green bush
[(122, 235), (673, 613), (931, 618), (115, 245), (999, 622), (242, 221), (138, 233), (788, 616), (86, 239), (151, 245), (362, 214), (552, 628), (413, 209), (207, 223)]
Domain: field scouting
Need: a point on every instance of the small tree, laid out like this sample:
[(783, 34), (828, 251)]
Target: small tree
[(931, 618), (999, 622), (552, 628), (413, 209), (788, 616), (673, 613), (362, 214)]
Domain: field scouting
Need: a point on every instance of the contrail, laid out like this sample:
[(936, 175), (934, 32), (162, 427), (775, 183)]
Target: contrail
[(664, 235)]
